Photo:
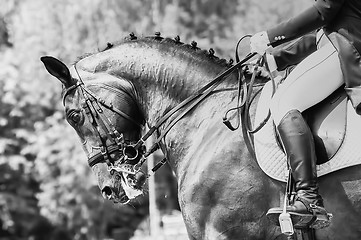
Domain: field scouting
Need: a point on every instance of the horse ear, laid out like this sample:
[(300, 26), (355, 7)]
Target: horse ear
[(59, 70)]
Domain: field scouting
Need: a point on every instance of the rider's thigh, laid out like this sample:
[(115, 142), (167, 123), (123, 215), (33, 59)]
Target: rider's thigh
[(315, 78)]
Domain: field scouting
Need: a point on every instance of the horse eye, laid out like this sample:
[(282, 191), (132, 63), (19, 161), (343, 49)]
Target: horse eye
[(75, 116)]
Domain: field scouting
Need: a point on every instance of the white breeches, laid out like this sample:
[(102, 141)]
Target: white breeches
[(312, 80)]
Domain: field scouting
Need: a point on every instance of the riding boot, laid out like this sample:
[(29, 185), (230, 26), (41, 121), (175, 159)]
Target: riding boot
[(297, 141)]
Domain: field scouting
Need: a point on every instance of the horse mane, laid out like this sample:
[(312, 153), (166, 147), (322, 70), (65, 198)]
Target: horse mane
[(191, 48)]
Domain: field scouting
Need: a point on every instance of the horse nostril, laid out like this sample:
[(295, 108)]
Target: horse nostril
[(107, 193)]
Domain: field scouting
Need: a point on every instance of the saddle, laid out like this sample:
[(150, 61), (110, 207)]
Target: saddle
[(328, 122), (335, 126)]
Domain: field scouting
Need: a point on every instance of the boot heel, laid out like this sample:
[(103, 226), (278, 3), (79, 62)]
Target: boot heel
[(322, 221)]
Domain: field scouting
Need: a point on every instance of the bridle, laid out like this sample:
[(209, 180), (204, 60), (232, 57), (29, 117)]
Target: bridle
[(94, 107)]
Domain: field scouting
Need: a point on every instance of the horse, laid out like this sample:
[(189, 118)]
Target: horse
[(222, 191)]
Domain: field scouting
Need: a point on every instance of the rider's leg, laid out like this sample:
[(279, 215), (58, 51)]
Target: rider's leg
[(309, 83)]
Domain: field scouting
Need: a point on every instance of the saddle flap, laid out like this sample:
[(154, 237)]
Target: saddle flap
[(327, 121)]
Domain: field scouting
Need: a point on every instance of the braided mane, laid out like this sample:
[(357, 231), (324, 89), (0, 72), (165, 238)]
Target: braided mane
[(174, 42)]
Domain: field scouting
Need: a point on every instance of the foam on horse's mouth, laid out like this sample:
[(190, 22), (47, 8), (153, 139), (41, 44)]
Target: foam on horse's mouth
[(130, 191)]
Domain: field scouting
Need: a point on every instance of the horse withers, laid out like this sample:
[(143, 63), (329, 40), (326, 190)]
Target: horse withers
[(222, 191)]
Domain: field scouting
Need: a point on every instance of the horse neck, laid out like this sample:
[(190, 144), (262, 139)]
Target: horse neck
[(163, 73), (163, 76)]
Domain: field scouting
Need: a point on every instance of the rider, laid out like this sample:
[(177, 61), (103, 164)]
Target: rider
[(325, 60)]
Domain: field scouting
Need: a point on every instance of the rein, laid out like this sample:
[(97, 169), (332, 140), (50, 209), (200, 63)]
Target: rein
[(189, 103), (245, 91), (247, 130)]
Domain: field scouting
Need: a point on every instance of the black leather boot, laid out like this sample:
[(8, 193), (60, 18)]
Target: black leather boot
[(297, 141)]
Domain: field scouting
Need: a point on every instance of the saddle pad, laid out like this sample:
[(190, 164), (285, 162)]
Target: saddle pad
[(273, 161)]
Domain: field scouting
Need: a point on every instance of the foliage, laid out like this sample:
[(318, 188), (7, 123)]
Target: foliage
[(46, 187)]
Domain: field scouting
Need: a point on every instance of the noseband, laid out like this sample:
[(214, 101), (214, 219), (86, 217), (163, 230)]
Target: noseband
[(93, 107)]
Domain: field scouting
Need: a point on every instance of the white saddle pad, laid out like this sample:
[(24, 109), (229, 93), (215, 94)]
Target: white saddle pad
[(273, 161)]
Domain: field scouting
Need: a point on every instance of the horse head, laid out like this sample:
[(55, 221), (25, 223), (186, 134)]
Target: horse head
[(107, 96), (108, 121)]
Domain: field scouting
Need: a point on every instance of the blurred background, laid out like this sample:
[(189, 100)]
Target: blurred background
[(47, 191)]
